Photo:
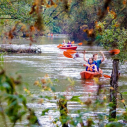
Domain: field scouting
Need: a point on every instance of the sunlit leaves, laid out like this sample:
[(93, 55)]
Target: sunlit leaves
[(113, 13), (115, 37), (72, 82), (123, 101), (36, 83), (124, 93), (27, 91), (40, 101), (76, 98), (43, 81)]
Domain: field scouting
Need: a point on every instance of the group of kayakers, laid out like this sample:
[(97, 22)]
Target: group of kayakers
[(93, 63), (69, 44)]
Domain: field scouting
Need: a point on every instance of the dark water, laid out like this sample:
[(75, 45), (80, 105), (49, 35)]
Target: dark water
[(51, 61)]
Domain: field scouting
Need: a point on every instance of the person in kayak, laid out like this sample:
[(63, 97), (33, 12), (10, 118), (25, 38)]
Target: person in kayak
[(69, 44), (96, 61), (64, 43), (90, 66)]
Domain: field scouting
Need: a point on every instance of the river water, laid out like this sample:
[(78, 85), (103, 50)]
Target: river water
[(51, 61)]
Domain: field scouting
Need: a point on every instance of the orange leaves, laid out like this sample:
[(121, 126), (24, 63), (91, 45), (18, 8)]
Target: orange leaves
[(43, 81), (90, 32), (123, 101), (113, 13), (111, 88), (32, 9), (23, 28), (38, 3), (52, 3), (10, 35), (36, 83), (117, 25), (36, 7), (40, 101), (11, 32), (32, 28), (102, 13), (48, 6), (84, 30), (124, 2), (108, 9), (98, 27)]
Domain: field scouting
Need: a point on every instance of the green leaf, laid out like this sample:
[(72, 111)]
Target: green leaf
[(114, 124), (76, 98), (125, 93), (6, 85), (56, 80), (44, 111)]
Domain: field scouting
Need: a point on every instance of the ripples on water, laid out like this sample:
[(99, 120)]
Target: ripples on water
[(34, 66)]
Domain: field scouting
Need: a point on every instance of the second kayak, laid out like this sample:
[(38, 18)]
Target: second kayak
[(74, 47)]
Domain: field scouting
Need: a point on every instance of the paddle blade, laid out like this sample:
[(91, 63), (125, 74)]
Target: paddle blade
[(66, 54), (59, 45), (114, 51), (107, 76), (72, 42), (70, 51), (80, 43)]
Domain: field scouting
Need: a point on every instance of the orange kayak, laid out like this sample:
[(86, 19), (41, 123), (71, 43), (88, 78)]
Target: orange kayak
[(74, 47), (90, 75)]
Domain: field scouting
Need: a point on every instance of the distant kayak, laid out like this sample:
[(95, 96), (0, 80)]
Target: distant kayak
[(90, 75), (74, 47)]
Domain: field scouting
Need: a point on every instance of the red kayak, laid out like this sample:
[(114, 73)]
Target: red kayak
[(90, 75), (74, 47)]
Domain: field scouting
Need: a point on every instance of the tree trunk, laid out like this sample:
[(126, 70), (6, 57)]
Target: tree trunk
[(113, 90)]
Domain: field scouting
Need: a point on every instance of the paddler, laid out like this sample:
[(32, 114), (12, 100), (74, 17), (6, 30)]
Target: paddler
[(90, 66), (95, 58), (63, 43), (69, 44)]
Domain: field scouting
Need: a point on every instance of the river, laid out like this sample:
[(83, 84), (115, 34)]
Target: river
[(51, 61)]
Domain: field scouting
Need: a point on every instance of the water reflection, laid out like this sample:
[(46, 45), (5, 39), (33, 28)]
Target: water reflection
[(89, 86)]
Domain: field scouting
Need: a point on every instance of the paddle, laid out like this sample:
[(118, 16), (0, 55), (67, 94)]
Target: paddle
[(59, 45), (68, 44), (72, 42), (112, 52), (68, 55)]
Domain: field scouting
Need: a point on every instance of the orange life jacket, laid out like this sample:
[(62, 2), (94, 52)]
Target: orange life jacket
[(90, 67)]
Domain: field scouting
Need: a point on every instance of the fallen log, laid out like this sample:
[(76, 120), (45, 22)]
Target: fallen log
[(19, 49)]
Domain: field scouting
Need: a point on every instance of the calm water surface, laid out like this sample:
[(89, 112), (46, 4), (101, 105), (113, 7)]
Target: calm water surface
[(51, 61)]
